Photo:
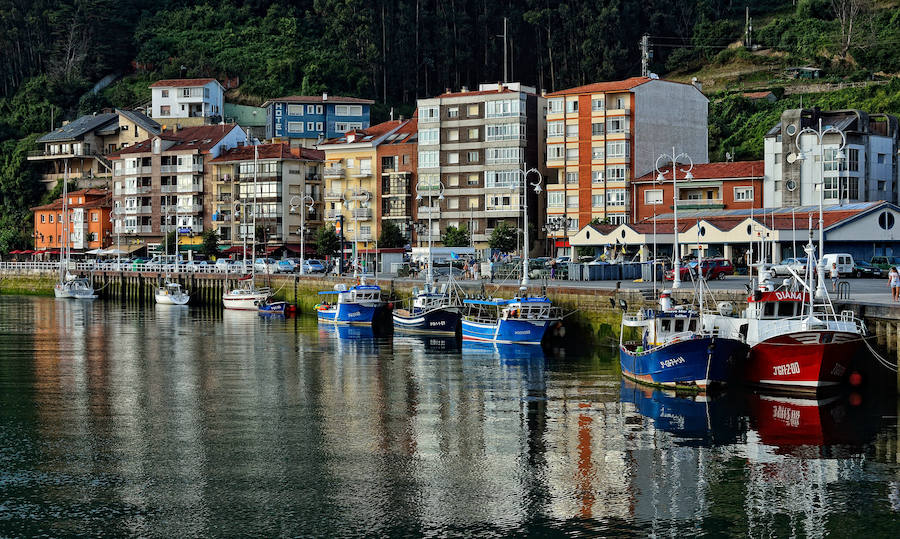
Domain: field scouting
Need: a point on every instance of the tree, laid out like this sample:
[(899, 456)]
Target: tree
[(503, 238), (456, 237), (210, 245), (327, 241), (390, 235)]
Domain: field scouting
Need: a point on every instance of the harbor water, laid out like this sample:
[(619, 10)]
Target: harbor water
[(168, 421)]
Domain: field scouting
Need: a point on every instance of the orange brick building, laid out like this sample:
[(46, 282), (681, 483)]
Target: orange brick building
[(89, 224)]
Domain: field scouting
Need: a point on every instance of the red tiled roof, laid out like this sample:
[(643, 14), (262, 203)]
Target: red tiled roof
[(409, 128), (598, 87), (712, 171), (478, 92), (200, 138), (318, 99), (269, 151), (181, 83), (757, 95)]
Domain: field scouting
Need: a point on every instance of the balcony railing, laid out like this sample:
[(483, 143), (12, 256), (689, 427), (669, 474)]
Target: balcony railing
[(333, 195), (168, 169), (136, 190), (224, 197), (193, 208), (170, 188), (145, 229), (364, 236), (334, 171), (332, 214), (360, 195), (363, 173), (189, 188), (700, 202), (363, 214), (138, 209)]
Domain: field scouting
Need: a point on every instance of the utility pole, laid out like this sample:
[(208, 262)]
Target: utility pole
[(505, 62), (645, 55)]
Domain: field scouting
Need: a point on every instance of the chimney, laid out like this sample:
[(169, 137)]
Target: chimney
[(446, 90), (324, 96), (499, 87), (464, 89), (697, 84), (402, 118)]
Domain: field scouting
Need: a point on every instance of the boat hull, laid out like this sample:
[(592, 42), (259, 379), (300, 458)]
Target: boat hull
[(435, 321), (691, 363), (172, 299), (506, 331), (802, 361), (64, 292), (243, 302), (278, 308), (347, 313)]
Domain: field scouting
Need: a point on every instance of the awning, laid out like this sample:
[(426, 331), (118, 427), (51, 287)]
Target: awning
[(310, 249), (236, 249), (94, 252), (196, 247), (270, 250)]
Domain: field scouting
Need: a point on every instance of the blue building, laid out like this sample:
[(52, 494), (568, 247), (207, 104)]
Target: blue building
[(306, 120)]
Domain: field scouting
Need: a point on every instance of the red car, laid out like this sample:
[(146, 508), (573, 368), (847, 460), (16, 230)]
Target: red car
[(713, 268)]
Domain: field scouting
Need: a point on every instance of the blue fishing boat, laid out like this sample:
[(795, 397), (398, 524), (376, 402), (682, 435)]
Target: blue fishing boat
[(522, 320), (675, 350), (277, 308), (356, 305), (431, 311)]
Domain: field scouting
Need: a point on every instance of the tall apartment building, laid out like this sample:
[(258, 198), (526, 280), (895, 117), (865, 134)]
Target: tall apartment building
[(309, 120), (284, 176), (601, 136), (189, 102), (352, 183), (868, 171), (167, 181), (397, 157), (475, 144)]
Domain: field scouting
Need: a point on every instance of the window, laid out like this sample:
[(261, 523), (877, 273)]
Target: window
[(596, 104), (831, 160), (620, 102), (473, 133), (473, 203), (164, 94), (94, 217), (597, 201), (453, 180), (505, 107), (44, 217), (473, 179), (318, 126), (616, 149), (615, 197), (473, 157), (555, 105), (507, 179), (453, 158), (310, 126), (572, 105), (615, 173), (597, 152), (882, 185), (852, 188), (310, 109), (453, 112), (355, 110), (502, 155), (615, 125), (777, 158), (596, 176), (572, 130), (295, 127), (880, 159), (854, 160), (571, 154), (653, 196), (554, 129), (473, 111), (743, 194), (428, 136), (572, 201), (185, 92), (295, 110), (318, 109), (165, 110), (428, 159), (597, 129), (405, 159), (342, 110), (555, 199), (555, 151), (453, 135), (571, 178), (453, 203), (428, 114)]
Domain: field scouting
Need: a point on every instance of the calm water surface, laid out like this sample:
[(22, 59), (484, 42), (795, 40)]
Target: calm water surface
[(174, 422)]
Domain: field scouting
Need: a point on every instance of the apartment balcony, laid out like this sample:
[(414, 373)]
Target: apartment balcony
[(334, 171), (362, 214), (360, 195), (136, 190), (168, 188), (363, 173), (225, 178), (313, 178), (168, 169), (145, 229), (332, 215), (35, 155), (193, 208), (618, 112), (223, 197), (184, 169), (134, 210), (333, 196), (365, 236), (192, 188), (700, 204)]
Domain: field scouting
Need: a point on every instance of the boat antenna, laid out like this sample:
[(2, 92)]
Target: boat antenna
[(255, 211)]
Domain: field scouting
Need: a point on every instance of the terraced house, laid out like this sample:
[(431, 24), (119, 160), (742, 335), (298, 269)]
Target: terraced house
[(167, 181)]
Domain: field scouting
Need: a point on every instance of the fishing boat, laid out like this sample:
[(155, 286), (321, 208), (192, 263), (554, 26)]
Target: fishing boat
[(170, 292), (356, 305), (676, 350), (277, 307), (434, 311), (68, 285), (521, 320), (797, 341)]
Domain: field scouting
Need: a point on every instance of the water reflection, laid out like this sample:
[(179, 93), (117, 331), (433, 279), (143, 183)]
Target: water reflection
[(172, 422)]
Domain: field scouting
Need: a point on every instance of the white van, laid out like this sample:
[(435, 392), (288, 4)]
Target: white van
[(844, 263)]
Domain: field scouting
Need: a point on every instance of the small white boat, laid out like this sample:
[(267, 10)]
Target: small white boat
[(171, 294), (74, 289), (246, 298)]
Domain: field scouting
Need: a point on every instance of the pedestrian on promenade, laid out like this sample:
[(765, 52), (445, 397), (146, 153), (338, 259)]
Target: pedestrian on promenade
[(894, 283), (835, 275)]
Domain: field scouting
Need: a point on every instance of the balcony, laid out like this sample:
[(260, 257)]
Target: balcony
[(313, 178), (363, 236), (332, 215), (182, 169), (193, 208), (362, 214), (363, 173), (224, 197), (170, 188), (425, 211), (360, 195), (136, 190), (700, 203), (168, 169), (333, 196), (334, 171), (191, 188), (138, 210), (145, 229)]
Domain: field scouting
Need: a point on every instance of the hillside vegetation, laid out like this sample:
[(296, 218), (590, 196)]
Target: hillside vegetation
[(394, 51)]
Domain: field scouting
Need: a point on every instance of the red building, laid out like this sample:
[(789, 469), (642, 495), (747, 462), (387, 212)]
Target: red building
[(396, 167), (89, 226), (714, 186)]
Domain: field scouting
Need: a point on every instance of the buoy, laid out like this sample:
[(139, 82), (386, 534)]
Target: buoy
[(855, 379), (855, 399)]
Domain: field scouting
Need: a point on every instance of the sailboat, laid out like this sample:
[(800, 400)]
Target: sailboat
[(69, 286), (247, 297), (171, 293)]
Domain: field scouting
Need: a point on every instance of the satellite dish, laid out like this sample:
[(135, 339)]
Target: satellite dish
[(791, 158), (791, 185)]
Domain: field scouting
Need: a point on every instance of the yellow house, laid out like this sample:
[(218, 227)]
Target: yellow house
[(352, 187)]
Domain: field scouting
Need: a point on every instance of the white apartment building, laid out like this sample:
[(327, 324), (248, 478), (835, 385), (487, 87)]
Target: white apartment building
[(187, 98), (864, 170)]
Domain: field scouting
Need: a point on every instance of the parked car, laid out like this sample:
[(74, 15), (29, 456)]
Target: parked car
[(713, 268), (885, 263), (285, 265), (313, 265), (865, 269), (265, 265), (844, 263), (796, 264)]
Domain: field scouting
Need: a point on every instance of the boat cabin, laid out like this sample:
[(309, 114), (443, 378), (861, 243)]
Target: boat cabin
[(528, 308), (774, 305), (358, 294)]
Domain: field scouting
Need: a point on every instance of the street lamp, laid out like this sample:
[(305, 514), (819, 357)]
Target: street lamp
[(820, 133), (361, 198), (537, 189), (295, 204), (676, 282), (115, 221), (557, 223), (429, 189)]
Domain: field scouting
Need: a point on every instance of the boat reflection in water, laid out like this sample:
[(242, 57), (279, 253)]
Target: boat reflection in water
[(506, 353), (694, 419), (429, 343), (351, 333)]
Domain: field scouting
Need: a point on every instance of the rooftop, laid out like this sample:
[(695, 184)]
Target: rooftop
[(318, 99), (711, 171), (269, 151), (181, 83), (365, 135), (200, 138), (100, 198), (611, 86), (79, 127)]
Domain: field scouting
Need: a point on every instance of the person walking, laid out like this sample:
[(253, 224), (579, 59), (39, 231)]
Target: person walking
[(835, 275), (894, 283)]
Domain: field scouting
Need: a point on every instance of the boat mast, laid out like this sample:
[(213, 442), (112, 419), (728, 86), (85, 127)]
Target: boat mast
[(62, 249), (255, 211)]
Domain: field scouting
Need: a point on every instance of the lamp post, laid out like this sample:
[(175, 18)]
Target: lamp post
[(676, 259), (429, 188), (295, 203), (820, 134), (114, 219), (361, 197), (537, 189), (559, 223)]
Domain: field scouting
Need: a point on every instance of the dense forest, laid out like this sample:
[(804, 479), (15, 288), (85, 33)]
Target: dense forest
[(393, 51)]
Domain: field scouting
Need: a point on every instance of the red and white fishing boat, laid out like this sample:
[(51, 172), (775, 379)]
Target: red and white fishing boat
[(797, 341)]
